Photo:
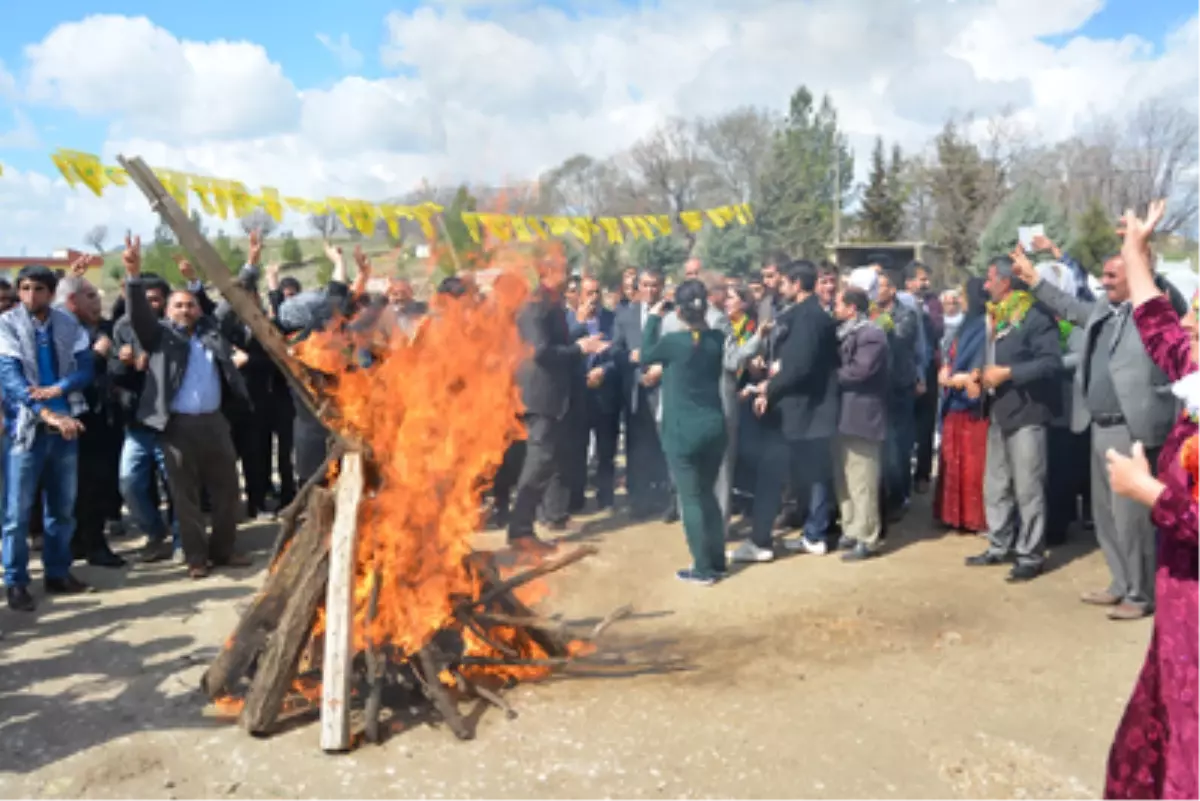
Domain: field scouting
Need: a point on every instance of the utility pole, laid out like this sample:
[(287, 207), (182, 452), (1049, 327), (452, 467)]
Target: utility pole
[(837, 195)]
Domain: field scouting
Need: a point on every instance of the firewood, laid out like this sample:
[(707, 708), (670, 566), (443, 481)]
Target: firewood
[(278, 664), (339, 608), (289, 517), (546, 567), (264, 614), (439, 696)]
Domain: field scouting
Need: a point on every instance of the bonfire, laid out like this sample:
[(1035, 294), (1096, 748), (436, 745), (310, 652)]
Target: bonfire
[(376, 603)]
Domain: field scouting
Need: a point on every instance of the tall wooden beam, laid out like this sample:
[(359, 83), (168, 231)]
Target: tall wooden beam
[(216, 272), (339, 609)]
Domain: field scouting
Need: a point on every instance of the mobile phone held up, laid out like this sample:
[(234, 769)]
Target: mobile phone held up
[(668, 306)]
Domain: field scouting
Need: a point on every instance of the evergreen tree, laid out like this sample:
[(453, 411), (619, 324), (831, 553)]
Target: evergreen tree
[(734, 250), (1095, 238), (291, 252), (808, 174), (1026, 206), (664, 253), (873, 218)]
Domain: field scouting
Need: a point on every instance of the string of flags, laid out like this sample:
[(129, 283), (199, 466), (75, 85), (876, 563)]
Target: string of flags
[(222, 198)]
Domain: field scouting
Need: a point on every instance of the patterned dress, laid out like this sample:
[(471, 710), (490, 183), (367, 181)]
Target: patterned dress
[(1154, 752)]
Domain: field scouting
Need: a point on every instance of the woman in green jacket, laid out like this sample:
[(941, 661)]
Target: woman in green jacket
[(693, 423)]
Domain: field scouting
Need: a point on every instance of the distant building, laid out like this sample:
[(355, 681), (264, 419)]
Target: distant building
[(60, 260)]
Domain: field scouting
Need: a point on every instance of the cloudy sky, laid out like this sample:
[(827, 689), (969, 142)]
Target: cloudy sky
[(368, 99)]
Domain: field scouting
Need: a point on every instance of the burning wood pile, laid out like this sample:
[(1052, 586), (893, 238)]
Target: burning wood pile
[(279, 659), (375, 597)]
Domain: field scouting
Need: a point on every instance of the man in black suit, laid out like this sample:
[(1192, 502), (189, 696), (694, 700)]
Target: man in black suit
[(799, 405), (601, 400), (646, 477), (545, 380)]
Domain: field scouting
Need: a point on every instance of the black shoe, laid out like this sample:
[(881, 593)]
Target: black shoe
[(19, 600), (671, 515), (985, 559), (105, 558), (847, 543), (67, 585), (160, 551), (858, 554), (1021, 573)]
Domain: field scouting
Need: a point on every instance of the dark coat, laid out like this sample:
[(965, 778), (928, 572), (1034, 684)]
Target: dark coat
[(805, 390), (605, 398), (627, 337), (546, 376), (169, 350), (863, 378), (1032, 349)]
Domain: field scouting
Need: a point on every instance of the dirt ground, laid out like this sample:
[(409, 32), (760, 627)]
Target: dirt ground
[(905, 676)]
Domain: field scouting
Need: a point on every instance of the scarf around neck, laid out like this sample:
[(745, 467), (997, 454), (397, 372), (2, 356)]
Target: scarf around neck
[(18, 340), (1009, 313), (848, 327)]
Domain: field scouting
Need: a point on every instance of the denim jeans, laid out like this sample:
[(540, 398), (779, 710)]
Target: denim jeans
[(820, 510), (55, 462), (140, 454)]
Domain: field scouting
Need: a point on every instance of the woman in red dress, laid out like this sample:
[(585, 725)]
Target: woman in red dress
[(958, 499), (1154, 752)]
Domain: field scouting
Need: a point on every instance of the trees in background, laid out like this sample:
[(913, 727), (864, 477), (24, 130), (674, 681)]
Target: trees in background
[(1026, 206), (1095, 237), (95, 238)]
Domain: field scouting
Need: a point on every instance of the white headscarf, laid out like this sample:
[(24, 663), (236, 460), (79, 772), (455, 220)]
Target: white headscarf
[(866, 279)]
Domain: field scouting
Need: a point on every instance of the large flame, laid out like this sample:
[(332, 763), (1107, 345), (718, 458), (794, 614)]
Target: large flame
[(437, 414)]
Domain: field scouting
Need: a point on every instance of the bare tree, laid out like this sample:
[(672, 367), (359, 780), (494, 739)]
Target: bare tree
[(259, 220), (669, 166), (736, 146), (583, 185), (326, 225), (1158, 159), (95, 237)]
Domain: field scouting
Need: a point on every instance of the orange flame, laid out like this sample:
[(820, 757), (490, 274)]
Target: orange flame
[(437, 413)]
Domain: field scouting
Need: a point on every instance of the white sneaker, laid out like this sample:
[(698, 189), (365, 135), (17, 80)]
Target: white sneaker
[(803, 544), (749, 552)]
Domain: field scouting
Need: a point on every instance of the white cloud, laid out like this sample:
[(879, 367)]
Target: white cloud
[(508, 92), (146, 80), (347, 56)]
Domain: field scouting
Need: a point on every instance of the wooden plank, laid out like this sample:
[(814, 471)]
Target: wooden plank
[(279, 662), (339, 609), (214, 270), (266, 610)]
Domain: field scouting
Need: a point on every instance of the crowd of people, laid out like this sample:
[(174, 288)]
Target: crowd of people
[(802, 398)]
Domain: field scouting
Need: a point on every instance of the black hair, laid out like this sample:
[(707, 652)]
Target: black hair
[(826, 267), (778, 260), (289, 282), (155, 281), (691, 301), (856, 297), (911, 269), (754, 277), (975, 297), (882, 259), (803, 273), (38, 274), (453, 286), (4, 284)]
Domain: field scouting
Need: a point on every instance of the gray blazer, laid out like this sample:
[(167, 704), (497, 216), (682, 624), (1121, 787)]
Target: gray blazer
[(1143, 390)]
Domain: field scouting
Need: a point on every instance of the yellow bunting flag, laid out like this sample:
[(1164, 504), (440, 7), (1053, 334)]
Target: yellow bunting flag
[(692, 220), (220, 197), (612, 229)]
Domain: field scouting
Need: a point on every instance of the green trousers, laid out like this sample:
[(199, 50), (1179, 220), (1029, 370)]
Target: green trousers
[(695, 476)]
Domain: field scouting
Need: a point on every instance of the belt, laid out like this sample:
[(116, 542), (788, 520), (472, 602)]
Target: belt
[(1108, 420)]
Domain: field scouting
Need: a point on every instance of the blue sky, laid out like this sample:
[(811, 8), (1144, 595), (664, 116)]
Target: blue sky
[(1149, 19), (595, 80)]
